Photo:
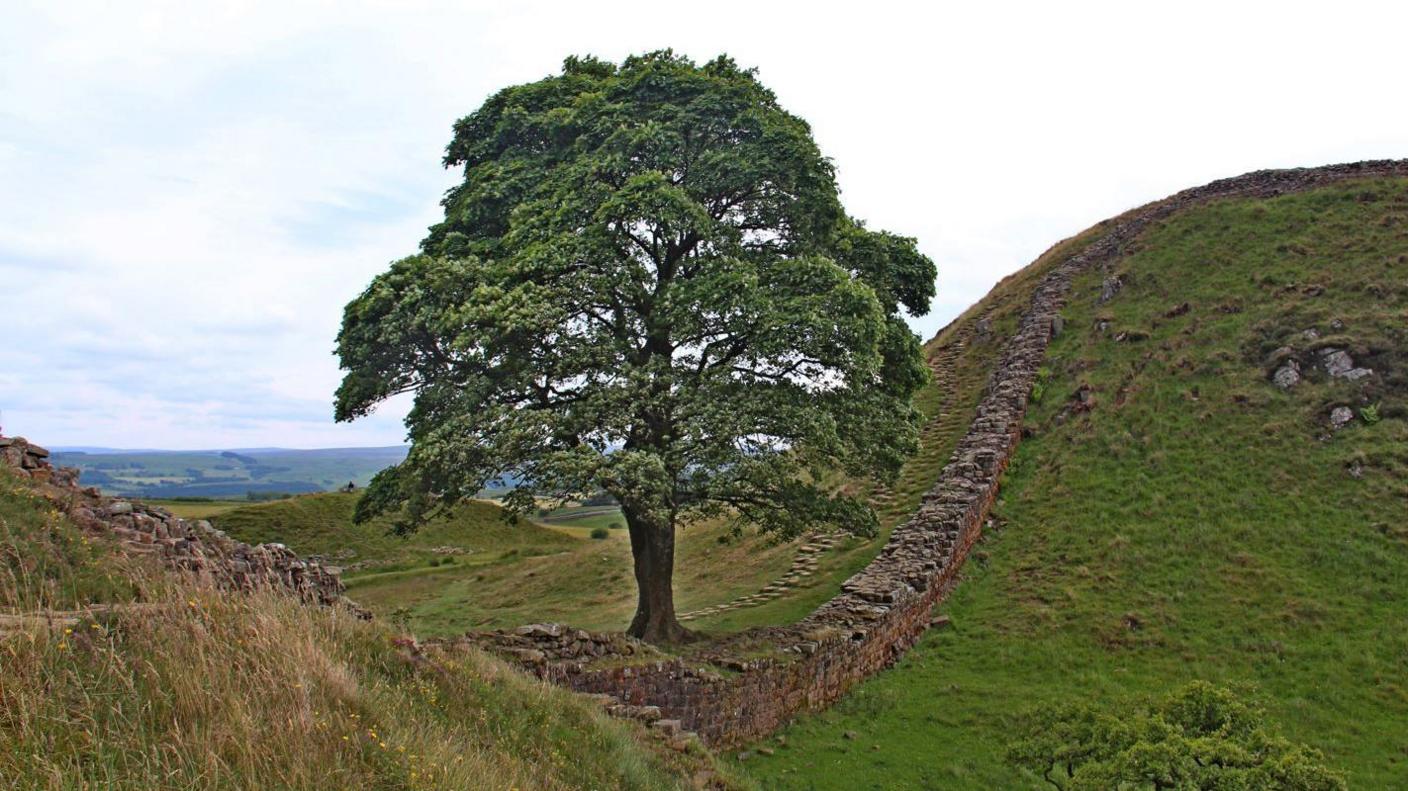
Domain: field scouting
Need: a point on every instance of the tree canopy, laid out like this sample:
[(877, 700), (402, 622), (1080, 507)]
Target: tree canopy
[(1200, 738), (646, 284)]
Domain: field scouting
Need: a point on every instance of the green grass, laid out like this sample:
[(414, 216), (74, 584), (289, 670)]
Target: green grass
[(589, 586), (1194, 525), (199, 509), (48, 563), (321, 524)]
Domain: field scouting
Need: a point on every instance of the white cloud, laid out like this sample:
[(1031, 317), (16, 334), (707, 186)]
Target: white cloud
[(193, 191)]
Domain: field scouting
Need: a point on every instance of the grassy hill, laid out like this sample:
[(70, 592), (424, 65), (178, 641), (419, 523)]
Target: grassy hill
[(321, 524), (196, 689), (1189, 520)]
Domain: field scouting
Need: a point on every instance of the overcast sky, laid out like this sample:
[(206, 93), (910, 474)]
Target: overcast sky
[(190, 192)]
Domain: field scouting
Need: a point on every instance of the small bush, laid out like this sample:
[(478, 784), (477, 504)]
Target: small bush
[(616, 525), (600, 532), (1370, 414)]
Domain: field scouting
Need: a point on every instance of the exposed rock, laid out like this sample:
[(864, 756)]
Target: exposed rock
[(1177, 311), (1311, 334), (1340, 365), (982, 329), (540, 630), (1287, 376), (1340, 417), (1110, 288)]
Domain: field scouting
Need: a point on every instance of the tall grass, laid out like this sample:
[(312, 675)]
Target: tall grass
[(194, 688), (210, 691)]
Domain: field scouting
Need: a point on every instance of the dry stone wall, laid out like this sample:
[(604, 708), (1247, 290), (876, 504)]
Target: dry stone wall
[(193, 547), (729, 694)]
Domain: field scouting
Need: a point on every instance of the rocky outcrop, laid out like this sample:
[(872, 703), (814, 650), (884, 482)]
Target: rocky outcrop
[(191, 547)]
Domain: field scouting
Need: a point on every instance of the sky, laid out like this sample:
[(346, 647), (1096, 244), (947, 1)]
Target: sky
[(191, 192)]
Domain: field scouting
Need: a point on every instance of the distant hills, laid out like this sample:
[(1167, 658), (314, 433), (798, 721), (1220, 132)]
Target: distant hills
[(254, 473)]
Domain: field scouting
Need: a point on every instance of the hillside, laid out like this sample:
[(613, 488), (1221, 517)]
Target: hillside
[(226, 474), (478, 569), (1181, 507), (321, 524), (148, 682)]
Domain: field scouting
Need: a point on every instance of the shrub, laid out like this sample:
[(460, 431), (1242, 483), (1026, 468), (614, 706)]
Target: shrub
[(1201, 736), (1370, 414), (600, 532), (616, 525)]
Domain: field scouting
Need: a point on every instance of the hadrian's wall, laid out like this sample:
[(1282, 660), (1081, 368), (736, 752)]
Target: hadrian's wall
[(882, 610), (192, 547)]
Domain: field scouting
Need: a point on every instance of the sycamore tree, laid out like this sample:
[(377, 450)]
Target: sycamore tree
[(645, 284)]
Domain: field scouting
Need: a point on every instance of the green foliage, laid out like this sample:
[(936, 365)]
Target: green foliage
[(600, 532), (1043, 376), (322, 524), (1200, 737), (645, 284), (1370, 414)]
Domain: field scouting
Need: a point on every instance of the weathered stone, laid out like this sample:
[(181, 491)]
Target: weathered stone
[(1340, 417), (1110, 288), (540, 630), (1336, 361), (1287, 376)]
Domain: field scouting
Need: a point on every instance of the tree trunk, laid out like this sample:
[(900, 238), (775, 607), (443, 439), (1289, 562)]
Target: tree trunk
[(653, 545)]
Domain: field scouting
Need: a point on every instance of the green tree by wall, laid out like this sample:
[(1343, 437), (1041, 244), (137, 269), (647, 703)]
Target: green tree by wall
[(645, 284)]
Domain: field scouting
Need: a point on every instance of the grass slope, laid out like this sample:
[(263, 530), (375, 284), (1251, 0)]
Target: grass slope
[(199, 689), (46, 563), (1198, 523), (321, 524)]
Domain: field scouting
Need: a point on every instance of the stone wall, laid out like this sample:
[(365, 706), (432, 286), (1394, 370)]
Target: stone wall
[(727, 694), (193, 547)]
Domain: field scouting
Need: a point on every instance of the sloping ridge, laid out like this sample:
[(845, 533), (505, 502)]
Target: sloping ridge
[(884, 608)]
